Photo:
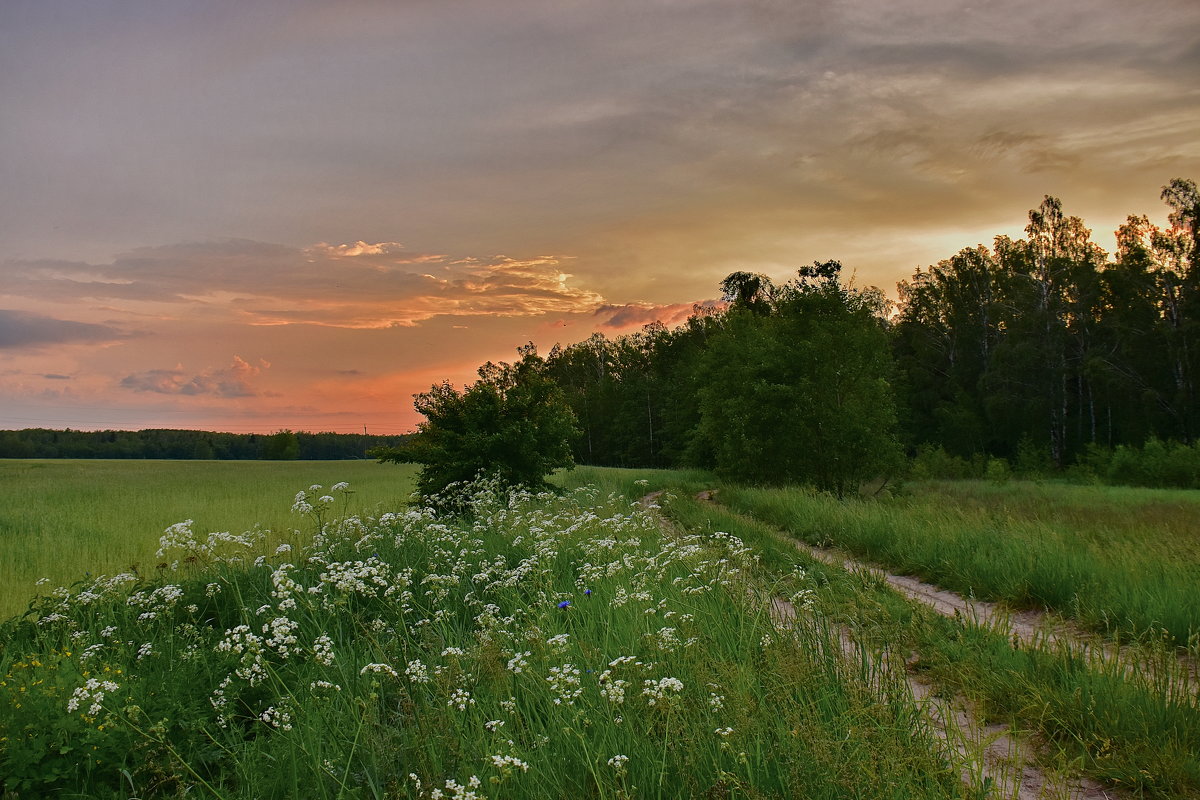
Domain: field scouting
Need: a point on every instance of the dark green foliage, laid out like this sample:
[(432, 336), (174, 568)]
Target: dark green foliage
[(281, 446), (513, 424), (799, 393), (181, 444), (1038, 349)]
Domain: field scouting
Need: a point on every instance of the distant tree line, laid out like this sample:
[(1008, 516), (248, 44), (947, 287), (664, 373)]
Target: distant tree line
[(1042, 354), (188, 444)]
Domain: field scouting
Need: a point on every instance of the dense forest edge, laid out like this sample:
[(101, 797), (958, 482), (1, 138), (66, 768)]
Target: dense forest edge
[(285, 445), (1037, 357)]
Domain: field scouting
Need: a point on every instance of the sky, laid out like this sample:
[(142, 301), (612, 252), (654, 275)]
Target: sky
[(250, 215)]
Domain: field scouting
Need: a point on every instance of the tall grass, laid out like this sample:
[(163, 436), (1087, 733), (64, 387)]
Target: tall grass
[(1134, 729), (1121, 561), (543, 647), (60, 519)]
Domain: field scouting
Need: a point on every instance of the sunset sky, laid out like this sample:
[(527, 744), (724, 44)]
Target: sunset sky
[(246, 215)]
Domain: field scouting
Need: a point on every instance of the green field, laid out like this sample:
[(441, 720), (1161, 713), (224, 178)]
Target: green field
[(60, 519), (1122, 561), (545, 647), (570, 646)]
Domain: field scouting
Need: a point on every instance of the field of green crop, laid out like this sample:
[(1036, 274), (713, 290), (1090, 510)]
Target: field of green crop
[(572, 645), (60, 519)]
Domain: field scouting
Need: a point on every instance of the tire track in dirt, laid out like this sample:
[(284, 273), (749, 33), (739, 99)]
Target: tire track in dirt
[(992, 752), (1027, 627), (982, 751)]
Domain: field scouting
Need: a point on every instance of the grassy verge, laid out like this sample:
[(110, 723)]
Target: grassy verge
[(60, 519), (1132, 731), (1121, 561), (545, 647)]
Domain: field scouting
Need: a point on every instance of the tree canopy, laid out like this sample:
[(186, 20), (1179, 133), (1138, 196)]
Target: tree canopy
[(512, 424)]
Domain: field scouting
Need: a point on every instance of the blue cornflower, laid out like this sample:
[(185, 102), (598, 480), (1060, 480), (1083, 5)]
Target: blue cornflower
[(564, 604), (587, 591)]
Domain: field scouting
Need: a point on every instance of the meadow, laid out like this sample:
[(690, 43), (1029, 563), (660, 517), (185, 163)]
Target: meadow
[(543, 646), (1122, 561), (570, 644), (63, 519)]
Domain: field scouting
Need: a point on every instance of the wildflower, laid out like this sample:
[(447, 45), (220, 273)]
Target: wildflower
[(460, 699), (723, 731), (564, 681), (323, 650), (506, 764), (417, 672), (277, 718), (518, 662), (91, 692), (618, 763), (493, 725), (658, 690), (377, 669), (564, 604), (612, 690), (283, 635)]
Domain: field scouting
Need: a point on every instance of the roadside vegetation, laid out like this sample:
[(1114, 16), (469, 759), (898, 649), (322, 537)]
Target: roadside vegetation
[(1134, 730), (1121, 561)]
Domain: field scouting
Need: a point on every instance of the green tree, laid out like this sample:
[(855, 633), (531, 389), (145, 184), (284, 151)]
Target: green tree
[(802, 395), (513, 424), (281, 446)]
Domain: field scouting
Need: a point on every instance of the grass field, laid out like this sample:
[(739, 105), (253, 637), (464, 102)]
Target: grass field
[(1131, 730), (568, 646), (545, 647), (60, 519), (1121, 561)]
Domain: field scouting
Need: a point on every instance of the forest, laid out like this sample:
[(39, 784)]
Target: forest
[(1040, 354), (282, 445)]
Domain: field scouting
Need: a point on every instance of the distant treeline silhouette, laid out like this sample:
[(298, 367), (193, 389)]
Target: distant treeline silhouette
[(188, 444)]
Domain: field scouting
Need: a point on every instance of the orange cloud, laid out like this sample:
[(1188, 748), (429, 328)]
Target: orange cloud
[(634, 315), (359, 285)]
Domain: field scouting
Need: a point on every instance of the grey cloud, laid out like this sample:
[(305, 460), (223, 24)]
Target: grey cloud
[(227, 382), (534, 124), (26, 329), (50, 376)]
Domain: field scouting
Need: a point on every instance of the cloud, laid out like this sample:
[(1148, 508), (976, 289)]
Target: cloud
[(359, 285), (629, 315), (26, 329), (226, 382)]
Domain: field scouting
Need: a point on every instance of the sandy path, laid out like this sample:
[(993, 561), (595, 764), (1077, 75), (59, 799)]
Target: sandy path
[(1024, 627)]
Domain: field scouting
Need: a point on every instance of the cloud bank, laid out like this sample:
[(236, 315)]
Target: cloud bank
[(23, 329), (359, 285)]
